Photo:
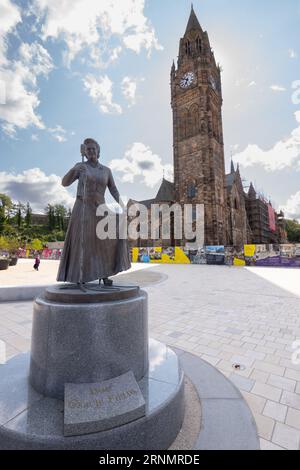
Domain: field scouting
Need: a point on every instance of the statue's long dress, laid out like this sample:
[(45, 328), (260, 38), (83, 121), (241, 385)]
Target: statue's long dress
[(85, 257)]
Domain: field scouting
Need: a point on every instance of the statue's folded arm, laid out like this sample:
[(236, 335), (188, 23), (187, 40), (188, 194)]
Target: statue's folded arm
[(70, 177)]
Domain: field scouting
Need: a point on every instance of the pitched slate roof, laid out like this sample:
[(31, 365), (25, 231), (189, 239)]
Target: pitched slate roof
[(165, 192), (230, 180)]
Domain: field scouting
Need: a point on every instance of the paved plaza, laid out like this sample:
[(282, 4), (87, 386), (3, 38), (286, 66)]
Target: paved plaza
[(244, 317)]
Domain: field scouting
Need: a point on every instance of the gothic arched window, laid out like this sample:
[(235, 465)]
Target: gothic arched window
[(191, 190)]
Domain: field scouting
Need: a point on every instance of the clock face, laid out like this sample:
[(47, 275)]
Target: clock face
[(187, 80)]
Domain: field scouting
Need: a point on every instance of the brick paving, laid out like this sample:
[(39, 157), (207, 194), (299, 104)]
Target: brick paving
[(226, 316)]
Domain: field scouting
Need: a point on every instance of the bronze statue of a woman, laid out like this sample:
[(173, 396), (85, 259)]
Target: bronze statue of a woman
[(85, 257)]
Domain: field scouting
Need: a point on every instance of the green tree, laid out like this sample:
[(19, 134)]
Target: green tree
[(293, 231), (4, 245), (10, 231), (5, 210), (51, 217), (19, 218), (13, 246), (19, 212), (60, 213), (28, 215)]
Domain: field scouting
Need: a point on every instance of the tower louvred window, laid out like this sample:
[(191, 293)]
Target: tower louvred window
[(199, 45), (188, 48)]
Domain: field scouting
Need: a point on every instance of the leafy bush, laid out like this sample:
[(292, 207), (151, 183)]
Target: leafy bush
[(4, 244), (293, 231)]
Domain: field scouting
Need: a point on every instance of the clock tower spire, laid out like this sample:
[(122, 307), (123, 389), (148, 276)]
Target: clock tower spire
[(193, 22), (196, 99)]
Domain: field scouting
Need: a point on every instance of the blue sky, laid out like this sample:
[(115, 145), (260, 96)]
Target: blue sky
[(101, 69)]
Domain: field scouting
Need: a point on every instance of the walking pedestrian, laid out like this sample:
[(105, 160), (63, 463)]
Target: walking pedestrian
[(37, 262)]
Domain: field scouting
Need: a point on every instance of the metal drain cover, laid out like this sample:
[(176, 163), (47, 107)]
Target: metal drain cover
[(238, 367)]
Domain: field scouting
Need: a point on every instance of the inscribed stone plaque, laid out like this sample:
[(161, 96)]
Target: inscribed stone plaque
[(96, 407)]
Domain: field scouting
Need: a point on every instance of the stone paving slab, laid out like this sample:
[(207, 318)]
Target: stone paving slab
[(238, 315), (222, 314), (23, 273)]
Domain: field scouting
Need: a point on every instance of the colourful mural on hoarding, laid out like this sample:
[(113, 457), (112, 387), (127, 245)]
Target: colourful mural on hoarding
[(286, 256), (215, 255), (250, 255), (46, 253), (276, 255), (171, 255)]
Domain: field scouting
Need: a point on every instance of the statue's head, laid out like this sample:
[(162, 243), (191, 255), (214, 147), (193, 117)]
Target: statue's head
[(92, 149)]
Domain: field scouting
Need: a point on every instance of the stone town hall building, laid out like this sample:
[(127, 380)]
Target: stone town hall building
[(232, 217)]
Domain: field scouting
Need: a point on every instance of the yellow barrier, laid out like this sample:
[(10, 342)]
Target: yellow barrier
[(249, 250), (239, 262)]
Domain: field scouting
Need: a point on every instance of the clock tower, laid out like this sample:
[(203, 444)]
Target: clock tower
[(199, 168)]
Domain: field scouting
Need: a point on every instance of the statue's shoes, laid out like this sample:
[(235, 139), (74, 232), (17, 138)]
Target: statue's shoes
[(107, 282)]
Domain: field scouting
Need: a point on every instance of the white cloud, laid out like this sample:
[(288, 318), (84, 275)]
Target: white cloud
[(103, 56), (34, 138), (296, 93), (60, 138), (100, 90), (86, 23), (292, 207), (253, 83), (284, 154), (140, 163), (292, 54), (105, 27), (9, 129), (56, 129), (20, 78), (277, 88), (58, 133), (142, 38), (129, 88), (2, 92), (36, 187), (10, 17), (234, 147), (37, 59)]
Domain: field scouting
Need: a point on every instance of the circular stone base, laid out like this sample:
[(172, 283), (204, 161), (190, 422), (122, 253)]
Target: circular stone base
[(87, 342), (188, 434), (89, 293), (29, 420)]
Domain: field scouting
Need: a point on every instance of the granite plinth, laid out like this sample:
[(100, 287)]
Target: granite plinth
[(29, 420), (84, 343), (96, 407)]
